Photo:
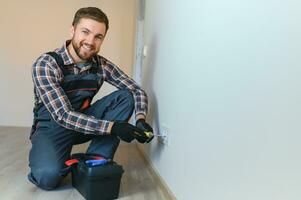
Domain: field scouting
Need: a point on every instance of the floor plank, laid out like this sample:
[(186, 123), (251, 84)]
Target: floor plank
[(136, 183)]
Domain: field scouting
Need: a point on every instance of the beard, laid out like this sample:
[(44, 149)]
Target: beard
[(82, 52)]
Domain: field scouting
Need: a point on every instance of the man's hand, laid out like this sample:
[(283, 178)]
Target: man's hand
[(147, 135), (125, 131)]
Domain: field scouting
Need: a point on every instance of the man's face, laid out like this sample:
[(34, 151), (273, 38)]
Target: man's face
[(87, 37)]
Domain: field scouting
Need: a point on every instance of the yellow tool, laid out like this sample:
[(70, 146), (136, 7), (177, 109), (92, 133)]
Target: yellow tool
[(148, 135)]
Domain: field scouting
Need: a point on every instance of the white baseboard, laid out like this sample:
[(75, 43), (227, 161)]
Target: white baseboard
[(158, 179)]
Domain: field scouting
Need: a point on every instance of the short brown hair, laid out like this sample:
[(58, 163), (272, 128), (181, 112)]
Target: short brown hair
[(91, 13)]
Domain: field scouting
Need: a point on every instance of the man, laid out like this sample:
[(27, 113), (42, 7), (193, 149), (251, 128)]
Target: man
[(65, 81)]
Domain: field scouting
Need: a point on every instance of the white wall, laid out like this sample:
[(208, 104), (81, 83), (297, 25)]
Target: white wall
[(29, 28), (225, 77)]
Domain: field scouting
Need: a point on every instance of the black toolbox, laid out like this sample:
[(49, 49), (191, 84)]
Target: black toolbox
[(100, 182)]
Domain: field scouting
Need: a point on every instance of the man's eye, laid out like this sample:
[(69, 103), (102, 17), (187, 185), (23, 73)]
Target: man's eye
[(85, 32)]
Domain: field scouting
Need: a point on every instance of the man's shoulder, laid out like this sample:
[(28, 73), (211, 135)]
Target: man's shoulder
[(45, 60), (101, 58), (104, 62), (46, 64)]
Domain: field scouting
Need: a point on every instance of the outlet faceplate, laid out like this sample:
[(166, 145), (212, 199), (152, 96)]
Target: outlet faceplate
[(164, 135)]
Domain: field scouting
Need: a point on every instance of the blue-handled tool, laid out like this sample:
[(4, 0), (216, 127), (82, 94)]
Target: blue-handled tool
[(91, 163)]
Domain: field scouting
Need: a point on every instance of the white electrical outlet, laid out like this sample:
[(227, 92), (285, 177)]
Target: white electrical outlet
[(164, 135)]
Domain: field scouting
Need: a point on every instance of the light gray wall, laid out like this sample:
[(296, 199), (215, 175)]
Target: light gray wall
[(30, 28), (224, 76)]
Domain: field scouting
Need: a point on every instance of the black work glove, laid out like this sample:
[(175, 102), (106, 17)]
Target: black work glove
[(148, 134), (125, 131)]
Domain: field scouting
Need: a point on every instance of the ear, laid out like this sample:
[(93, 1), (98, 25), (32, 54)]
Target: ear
[(72, 30)]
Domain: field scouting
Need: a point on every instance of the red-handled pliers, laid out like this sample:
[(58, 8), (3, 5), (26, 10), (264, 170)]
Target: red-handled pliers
[(73, 161)]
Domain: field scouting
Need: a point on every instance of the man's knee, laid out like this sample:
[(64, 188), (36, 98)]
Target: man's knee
[(125, 101), (47, 179), (127, 97)]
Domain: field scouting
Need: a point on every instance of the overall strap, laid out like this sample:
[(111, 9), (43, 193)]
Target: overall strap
[(95, 66), (59, 60)]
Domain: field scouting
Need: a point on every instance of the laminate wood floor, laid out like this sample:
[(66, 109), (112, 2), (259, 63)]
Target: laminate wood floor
[(137, 182)]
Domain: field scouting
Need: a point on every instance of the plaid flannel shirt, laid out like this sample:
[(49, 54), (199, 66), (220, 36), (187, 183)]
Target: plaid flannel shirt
[(47, 77)]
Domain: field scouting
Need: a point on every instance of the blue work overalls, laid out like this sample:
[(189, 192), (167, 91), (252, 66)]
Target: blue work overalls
[(52, 143)]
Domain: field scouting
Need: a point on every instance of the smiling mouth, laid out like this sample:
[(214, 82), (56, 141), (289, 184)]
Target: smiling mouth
[(87, 48)]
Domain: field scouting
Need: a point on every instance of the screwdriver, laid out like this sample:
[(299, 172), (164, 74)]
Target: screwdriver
[(148, 135)]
